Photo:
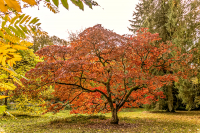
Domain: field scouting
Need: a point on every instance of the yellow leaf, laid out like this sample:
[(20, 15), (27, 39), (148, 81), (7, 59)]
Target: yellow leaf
[(1, 97), (30, 2), (3, 8), (12, 39), (13, 4), (3, 61), (18, 47), (1, 50), (1, 57), (7, 86), (27, 20), (10, 50), (24, 43), (17, 59), (16, 55), (29, 44), (5, 46), (10, 62)]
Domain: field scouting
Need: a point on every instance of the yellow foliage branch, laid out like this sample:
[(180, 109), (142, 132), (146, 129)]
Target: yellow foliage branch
[(14, 4)]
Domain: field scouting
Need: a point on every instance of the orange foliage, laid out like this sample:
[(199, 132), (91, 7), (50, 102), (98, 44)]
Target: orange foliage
[(102, 71)]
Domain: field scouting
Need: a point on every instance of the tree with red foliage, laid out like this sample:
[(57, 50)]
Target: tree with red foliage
[(103, 72)]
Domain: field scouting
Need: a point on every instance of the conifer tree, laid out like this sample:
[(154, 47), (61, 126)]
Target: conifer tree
[(176, 21)]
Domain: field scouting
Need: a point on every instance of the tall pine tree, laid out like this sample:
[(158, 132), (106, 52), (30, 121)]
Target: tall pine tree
[(176, 21)]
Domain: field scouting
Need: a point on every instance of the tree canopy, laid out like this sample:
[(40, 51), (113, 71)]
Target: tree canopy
[(102, 71)]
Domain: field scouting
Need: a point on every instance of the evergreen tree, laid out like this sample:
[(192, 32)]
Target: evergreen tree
[(176, 21)]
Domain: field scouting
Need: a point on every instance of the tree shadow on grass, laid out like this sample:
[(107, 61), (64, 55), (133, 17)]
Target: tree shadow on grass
[(22, 116), (78, 119), (100, 123), (93, 123)]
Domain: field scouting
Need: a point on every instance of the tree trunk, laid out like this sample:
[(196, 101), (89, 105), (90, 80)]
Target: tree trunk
[(170, 100), (115, 119)]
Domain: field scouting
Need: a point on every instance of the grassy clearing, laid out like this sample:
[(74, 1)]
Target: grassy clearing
[(131, 120)]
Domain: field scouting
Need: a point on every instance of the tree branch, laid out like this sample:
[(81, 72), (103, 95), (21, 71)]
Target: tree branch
[(127, 96), (88, 90)]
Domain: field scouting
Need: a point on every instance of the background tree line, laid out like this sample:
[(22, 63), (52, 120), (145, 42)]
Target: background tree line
[(177, 21)]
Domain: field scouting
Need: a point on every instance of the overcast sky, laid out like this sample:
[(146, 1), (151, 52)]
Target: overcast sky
[(113, 15)]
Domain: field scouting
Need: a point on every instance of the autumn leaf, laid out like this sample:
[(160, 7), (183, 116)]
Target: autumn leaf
[(30, 2), (2, 97), (3, 8), (13, 4)]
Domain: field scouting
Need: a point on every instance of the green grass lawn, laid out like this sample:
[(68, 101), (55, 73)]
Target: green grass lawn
[(131, 120)]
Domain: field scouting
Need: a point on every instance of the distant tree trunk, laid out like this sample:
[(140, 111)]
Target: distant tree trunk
[(6, 99), (173, 101), (170, 99), (115, 119)]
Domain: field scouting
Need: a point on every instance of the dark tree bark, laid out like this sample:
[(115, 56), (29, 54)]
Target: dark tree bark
[(115, 119)]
